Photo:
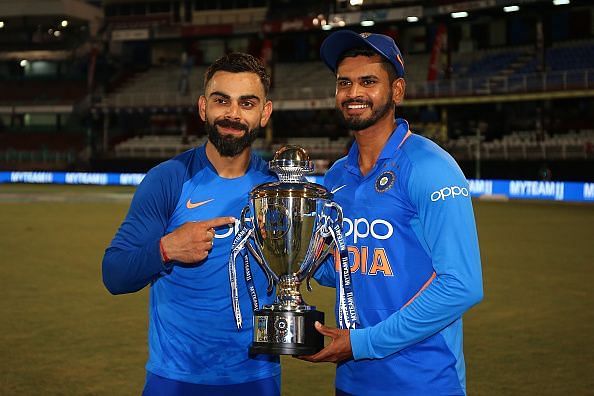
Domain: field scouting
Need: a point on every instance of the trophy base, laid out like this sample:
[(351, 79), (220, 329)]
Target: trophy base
[(280, 332)]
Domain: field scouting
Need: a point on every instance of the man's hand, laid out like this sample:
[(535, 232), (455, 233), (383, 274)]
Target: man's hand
[(337, 351), (192, 242)]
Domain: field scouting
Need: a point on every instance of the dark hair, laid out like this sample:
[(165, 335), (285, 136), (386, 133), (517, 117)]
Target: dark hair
[(238, 62), (368, 52)]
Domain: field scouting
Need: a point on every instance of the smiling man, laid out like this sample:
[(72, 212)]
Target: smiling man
[(410, 231), (177, 238)]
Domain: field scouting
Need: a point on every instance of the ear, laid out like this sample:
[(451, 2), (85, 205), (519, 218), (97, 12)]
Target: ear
[(266, 113), (202, 107), (398, 89)]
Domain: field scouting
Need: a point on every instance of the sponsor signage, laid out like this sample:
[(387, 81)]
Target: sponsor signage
[(511, 189), (466, 6), (296, 24), (378, 15), (91, 178), (129, 34)]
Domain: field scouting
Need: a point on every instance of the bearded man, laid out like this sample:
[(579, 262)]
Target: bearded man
[(410, 231), (177, 238)]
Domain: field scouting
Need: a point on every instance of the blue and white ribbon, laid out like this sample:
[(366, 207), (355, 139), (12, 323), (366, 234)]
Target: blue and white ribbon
[(347, 311), (239, 248)]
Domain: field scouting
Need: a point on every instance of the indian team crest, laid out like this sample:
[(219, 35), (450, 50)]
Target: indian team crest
[(385, 181)]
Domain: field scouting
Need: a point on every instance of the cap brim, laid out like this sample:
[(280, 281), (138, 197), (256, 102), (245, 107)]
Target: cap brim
[(338, 42)]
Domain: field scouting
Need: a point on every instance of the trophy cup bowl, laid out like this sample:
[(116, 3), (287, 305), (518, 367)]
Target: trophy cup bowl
[(288, 219)]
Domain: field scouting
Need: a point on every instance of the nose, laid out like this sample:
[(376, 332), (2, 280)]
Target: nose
[(353, 91), (233, 111)]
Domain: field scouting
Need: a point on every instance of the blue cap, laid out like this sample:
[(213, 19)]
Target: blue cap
[(342, 40)]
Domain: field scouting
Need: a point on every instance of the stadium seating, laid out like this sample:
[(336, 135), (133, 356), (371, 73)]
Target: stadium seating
[(526, 145), (570, 56), (155, 146), (42, 92), (139, 80), (158, 86), (40, 150)]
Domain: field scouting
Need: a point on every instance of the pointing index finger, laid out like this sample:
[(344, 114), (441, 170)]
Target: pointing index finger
[(218, 221)]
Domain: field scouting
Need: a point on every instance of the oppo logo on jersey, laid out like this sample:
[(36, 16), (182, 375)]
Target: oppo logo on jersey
[(361, 228), (446, 192), (229, 232)]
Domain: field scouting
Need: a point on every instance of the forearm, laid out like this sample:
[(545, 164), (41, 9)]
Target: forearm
[(133, 258), (129, 270), (443, 302)]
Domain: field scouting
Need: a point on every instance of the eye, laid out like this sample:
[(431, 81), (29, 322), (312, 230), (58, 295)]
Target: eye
[(368, 82), (220, 100), (247, 104), (343, 83)]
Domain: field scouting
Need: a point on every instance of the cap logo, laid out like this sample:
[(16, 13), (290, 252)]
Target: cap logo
[(365, 35), (399, 59)]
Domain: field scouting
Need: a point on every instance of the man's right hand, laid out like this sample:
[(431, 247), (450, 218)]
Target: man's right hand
[(192, 242)]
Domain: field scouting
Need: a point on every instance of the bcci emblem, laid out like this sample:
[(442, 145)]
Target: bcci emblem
[(365, 34), (385, 181), (276, 221)]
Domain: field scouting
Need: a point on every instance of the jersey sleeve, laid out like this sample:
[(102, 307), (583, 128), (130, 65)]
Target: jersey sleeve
[(326, 274), (133, 258), (445, 226)]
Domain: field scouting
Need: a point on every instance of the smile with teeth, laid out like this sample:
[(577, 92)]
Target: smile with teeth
[(357, 106)]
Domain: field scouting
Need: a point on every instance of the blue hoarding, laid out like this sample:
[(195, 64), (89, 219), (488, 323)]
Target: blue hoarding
[(506, 189)]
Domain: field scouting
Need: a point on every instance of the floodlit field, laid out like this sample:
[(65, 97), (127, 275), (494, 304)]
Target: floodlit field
[(62, 333)]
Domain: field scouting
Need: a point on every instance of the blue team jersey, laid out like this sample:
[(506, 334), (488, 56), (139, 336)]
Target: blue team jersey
[(415, 264), (192, 332)]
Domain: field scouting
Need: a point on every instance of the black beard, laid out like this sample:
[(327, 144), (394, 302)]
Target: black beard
[(358, 124), (227, 145)]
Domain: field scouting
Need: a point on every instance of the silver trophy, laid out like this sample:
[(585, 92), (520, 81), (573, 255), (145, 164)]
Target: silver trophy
[(293, 225)]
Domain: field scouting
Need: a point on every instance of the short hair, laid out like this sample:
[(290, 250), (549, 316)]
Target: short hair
[(238, 62), (368, 52)]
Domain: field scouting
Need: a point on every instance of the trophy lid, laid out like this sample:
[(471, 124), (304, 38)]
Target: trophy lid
[(284, 189), (290, 163)]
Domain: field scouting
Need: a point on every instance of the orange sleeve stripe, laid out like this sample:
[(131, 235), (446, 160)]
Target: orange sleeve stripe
[(433, 275), (404, 138)]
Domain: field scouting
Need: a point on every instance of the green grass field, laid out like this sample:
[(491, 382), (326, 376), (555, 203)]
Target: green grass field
[(62, 333)]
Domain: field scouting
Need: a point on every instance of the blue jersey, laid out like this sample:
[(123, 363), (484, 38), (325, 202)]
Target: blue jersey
[(415, 264), (192, 332)]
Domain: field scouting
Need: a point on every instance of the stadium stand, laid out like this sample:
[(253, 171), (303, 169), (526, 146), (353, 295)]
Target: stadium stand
[(117, 82)]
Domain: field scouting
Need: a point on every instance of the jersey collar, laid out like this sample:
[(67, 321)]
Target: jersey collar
[(205, 162), (395, 141)]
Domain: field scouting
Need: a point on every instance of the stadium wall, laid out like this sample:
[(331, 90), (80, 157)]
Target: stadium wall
[(479, 188)]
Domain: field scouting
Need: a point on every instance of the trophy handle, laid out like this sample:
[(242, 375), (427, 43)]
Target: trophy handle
[(339, 214), (270, 275), (256, 251), (338, 220), (325, 234), (318, 262), (244, 216)]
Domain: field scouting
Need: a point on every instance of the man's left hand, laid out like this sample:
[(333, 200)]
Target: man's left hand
[(337, 351)]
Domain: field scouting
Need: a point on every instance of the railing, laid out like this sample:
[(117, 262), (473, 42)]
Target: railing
[(41, 156), (150, 99), (522, 151), (514, 84)]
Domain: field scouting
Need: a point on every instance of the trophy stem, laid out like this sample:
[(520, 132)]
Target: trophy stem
[(287, 292)]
